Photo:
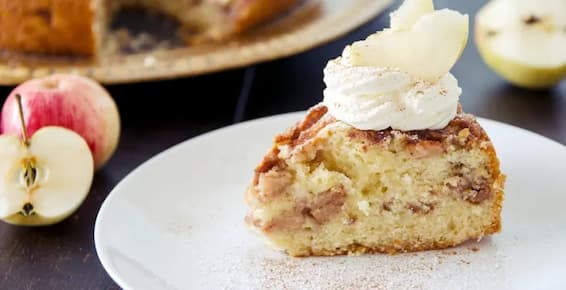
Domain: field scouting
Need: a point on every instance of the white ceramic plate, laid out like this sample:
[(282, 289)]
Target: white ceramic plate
[(177, 223)]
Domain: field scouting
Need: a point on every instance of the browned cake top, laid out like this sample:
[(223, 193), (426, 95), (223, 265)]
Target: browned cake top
[(463, 132)]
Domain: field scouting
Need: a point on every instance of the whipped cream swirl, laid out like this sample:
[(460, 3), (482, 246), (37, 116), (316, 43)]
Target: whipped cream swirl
[(371, 98)]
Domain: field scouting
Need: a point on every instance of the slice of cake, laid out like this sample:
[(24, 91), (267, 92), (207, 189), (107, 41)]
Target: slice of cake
[(78, 27), (327, 188), (388, 162)]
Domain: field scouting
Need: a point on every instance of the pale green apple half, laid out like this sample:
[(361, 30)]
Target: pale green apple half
[(528, 50)]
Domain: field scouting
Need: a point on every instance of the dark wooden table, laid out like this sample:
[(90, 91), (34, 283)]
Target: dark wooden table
[(157, 115)]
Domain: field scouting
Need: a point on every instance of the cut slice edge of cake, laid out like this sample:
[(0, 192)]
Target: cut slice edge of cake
[(327, 188)]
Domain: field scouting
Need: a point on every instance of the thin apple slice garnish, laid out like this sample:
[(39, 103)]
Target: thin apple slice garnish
[(526, 44), (427, 50), (409, 13)]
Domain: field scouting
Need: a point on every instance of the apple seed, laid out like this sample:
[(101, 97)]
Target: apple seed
[(30, 173), (531, 20), (27, 210), (491, 33)]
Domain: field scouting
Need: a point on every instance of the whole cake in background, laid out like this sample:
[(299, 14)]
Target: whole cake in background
[(388, 162), (78, 27)]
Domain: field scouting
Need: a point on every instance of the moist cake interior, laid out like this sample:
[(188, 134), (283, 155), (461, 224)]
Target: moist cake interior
[(198, 20), (196, 16)]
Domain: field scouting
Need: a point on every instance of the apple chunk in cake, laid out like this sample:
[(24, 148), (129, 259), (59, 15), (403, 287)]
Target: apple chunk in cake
[(327, 188)]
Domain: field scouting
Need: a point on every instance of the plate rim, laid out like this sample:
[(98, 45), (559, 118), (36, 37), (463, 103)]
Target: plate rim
[(102, 254)]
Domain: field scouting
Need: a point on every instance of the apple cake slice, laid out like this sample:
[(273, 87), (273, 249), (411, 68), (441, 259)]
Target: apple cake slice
[(327, 188)]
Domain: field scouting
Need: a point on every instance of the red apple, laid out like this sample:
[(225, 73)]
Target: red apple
[(74, 102)]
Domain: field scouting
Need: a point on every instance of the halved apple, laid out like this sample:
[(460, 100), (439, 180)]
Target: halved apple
[(427, 50), (524, 42), (45, 181)]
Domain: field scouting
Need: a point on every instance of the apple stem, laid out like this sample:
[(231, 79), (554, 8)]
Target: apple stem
[(22, 121)]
